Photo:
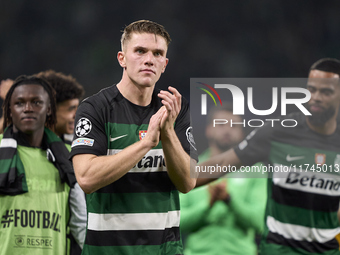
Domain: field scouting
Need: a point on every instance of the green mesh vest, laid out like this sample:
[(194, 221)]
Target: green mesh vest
[(35, 222)]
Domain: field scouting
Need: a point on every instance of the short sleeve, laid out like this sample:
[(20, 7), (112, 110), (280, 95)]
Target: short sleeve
[(184, 130), (89, 133)]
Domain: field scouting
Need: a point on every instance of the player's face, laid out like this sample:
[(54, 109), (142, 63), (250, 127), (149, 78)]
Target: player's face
[(29, 107), (66, 113), (225, 136), (325, 96), (144, 58)]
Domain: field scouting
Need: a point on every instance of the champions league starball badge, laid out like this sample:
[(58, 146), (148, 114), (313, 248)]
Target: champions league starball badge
[(83, 127)]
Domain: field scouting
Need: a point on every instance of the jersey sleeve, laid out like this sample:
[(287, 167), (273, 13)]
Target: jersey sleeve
[(184, 130), (89, 133), (78, 218), (256, 146)]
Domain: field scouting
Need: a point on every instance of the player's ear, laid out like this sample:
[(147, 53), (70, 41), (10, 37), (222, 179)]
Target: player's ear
[(121, 59), (166, 63), (49, 110)]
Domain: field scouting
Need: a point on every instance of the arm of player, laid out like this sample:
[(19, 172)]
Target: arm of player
[(94, 172), (178, 162), (227, 158)]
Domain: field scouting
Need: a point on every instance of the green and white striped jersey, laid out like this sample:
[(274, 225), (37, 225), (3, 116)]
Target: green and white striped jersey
[(139, 213), (304, 188)]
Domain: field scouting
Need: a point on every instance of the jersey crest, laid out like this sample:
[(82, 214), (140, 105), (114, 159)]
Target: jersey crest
[(142, 134)]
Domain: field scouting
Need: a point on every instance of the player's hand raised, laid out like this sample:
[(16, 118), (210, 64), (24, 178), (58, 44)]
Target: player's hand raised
[(172, 102), (153, 133)]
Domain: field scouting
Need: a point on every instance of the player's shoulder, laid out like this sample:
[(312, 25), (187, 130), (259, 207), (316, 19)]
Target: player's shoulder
[(103, 98)]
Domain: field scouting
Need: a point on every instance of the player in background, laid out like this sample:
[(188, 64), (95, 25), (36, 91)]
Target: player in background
[(302, 205), (68, 94), (224, 217), (38, 191)]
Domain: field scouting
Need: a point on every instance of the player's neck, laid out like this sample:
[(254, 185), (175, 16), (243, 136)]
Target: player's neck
[(34, 138), (327, 129), (136, 94)]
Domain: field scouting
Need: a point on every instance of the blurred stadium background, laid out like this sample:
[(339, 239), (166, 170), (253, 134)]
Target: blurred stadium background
[(209, 39)]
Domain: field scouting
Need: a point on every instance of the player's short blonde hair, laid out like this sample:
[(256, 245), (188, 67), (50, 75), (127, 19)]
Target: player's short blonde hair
[(144, 26)]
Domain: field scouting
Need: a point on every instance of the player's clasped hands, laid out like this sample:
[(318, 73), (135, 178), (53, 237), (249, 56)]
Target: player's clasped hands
[(165, 117), (153, 132), (172, 102), (218, 192)]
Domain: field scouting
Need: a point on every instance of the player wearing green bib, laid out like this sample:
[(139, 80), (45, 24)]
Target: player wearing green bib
[(131, 153), (38, 196)]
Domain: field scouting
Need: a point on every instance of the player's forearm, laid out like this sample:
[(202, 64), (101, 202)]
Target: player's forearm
[(94, 172), (178, 162)]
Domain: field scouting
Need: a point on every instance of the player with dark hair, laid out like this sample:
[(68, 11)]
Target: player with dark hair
[(23, 80), (38, 191), (303, 201), (68, 94), (131, 152), (330, 65)]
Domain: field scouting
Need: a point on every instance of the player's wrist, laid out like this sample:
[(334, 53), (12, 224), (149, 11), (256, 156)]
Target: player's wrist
[(148, 143), (167, 132)]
